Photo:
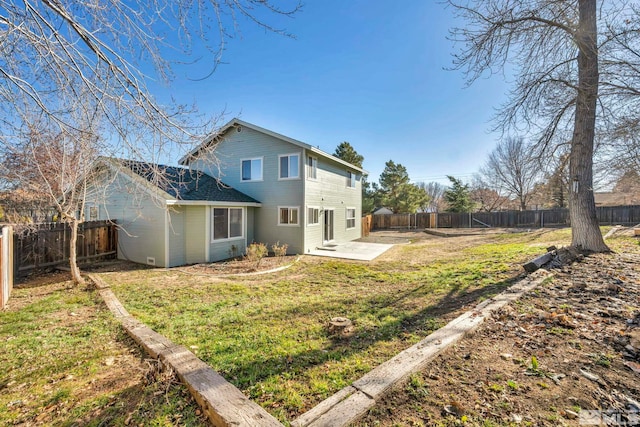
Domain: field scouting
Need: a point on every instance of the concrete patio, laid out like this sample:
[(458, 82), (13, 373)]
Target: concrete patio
[(361, 251)]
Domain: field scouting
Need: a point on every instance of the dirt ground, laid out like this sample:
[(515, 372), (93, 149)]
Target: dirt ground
[(566, 354)]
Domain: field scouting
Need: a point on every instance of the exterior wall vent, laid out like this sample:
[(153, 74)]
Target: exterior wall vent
[(151, 260), (239, 129)]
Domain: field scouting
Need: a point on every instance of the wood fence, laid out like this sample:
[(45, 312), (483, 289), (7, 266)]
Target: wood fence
[(607, 215), (367, 222), (6, 265), (47, 245)]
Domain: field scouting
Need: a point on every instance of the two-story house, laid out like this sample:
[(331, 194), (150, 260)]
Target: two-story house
[(243, 184), (308, 198)]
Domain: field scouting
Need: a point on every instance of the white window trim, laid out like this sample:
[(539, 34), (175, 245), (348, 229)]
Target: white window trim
[(288, 225), (88, 208), (213, 227), (261, 169), (308, 168), (355, 180), (346, 218), (312, 224), (289, 178)]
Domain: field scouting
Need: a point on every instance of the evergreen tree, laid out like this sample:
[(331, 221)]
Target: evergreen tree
[(458, 196), (399, 194), (346, 152)]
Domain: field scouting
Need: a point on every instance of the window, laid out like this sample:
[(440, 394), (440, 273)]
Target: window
[(289, 166), (351, 217), (351, 179), (312, 167), (313, 216), (288, 216), (227, 223), (252, 169)]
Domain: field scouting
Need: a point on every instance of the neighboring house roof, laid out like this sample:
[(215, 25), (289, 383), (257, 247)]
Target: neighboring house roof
[(382, 211), (183, 184), (193, 154), (613, 198)]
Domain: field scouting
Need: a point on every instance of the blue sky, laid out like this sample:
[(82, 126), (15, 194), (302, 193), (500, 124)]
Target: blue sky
[(368, 72)]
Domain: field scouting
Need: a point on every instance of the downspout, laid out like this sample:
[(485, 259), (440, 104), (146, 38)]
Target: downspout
[(207, 235), (303, 208), (166, 236)]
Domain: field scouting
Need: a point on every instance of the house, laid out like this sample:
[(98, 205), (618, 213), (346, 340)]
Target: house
[(169, 216), (308, 198), (243, 184)]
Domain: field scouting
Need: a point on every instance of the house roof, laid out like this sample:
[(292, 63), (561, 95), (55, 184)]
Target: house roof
[(235, 122), (184, 184)]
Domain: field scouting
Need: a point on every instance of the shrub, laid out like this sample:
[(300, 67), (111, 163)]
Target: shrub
[(278, 249), (256, 251)]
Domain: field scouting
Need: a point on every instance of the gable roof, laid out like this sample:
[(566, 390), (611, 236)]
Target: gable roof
[(183, 184), (235, 122)]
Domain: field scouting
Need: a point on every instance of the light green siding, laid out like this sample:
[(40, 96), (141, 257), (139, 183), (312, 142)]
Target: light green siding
[(196, 234), (176, 236), (141, 219), (330, 191), (271, 191)]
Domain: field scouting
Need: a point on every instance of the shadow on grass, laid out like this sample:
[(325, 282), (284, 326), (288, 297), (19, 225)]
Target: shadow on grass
[(162, 403), (407, 328)]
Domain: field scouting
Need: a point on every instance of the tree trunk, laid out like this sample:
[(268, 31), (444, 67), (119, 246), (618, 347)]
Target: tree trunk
[(585, 229), (73, 245)]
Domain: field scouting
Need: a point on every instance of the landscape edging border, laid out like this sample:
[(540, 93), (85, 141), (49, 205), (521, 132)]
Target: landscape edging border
[(225, 405)]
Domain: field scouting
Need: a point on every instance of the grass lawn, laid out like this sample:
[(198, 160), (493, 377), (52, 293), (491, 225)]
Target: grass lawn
[(268, 334), (64, 360)]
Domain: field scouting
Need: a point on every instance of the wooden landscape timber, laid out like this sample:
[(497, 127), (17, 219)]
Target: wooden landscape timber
[(225, 405), (353, 401), (220, 400), (538, 262)]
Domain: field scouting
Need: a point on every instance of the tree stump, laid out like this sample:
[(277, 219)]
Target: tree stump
[(341, 326)]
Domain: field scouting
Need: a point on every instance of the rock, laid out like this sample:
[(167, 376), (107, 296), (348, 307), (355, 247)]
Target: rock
[(635, 367), (570, 415), (590, 376), (557, 377), (109, 360), (506, 356), (516, 418), (455, 408)]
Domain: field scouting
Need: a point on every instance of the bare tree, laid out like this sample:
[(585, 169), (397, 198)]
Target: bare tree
[(435, 191), (485, 196), (512, 170), (76, 81), (576, 72)]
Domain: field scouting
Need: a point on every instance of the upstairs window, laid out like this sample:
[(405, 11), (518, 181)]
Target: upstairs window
[(252, 169), (312, 167), (289, 166), (351, 179)]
